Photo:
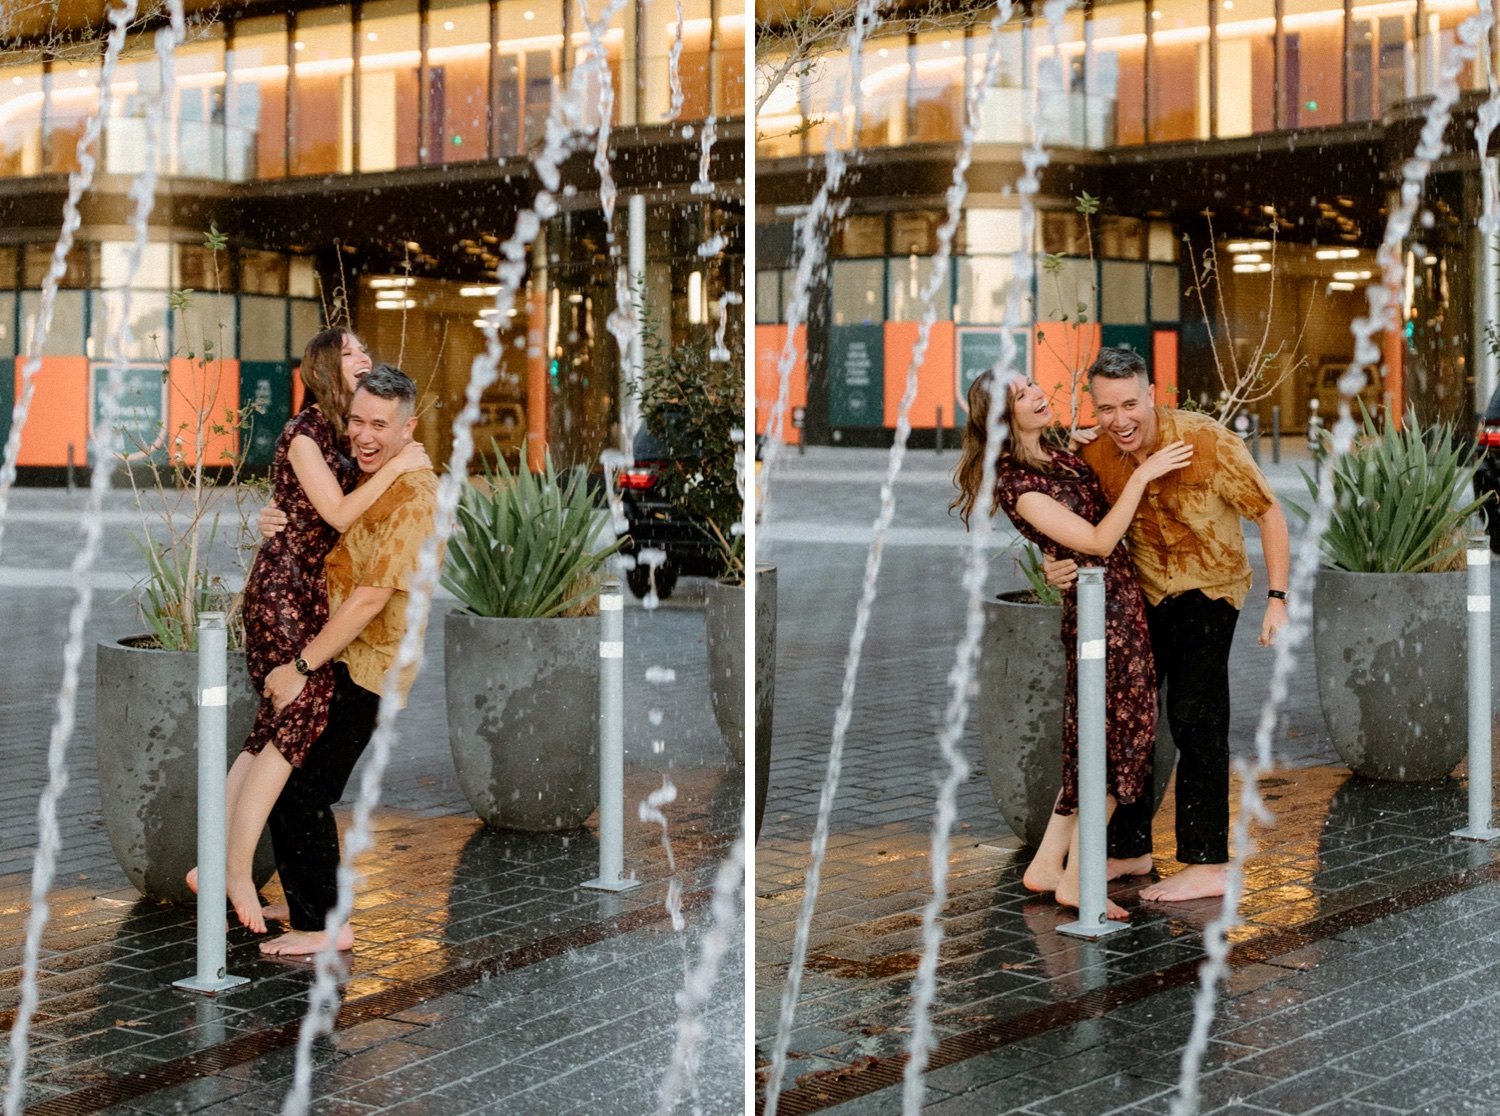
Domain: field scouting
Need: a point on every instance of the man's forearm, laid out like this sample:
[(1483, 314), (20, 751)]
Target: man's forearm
[(1276, 545), (344, 626)]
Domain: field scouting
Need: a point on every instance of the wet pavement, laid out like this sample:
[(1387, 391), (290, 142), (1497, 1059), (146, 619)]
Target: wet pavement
[(484, 978), (1362, 974)]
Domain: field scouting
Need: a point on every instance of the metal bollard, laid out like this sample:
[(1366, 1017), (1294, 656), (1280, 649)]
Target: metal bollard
[(1276, 435), (937, 432), (1092, 788), (213, 709), (1481, 811), (611, 742), (71, 482)]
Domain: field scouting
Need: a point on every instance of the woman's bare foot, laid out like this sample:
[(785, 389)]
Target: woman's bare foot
[(1040, 877), (279, 911), (246, 904), (1196, 881), (1067, 896), (302, 943), (1117, 866)]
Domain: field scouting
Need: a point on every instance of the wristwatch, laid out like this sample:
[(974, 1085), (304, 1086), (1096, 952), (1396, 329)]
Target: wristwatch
[(300, 664), (1271, 595)]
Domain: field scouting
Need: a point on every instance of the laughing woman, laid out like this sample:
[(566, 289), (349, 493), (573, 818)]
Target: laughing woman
[(1055, 501)]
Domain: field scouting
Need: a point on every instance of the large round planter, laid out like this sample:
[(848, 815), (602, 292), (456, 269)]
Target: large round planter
[(1392, 666), (146, 740), (1022, 674), (724, 626), (523, 718)]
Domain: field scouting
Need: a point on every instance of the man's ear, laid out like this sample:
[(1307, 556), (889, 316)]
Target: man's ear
[(409, 428)]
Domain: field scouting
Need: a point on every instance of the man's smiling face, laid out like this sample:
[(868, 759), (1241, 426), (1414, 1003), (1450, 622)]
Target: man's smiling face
[(1125, 411), (378, 429)]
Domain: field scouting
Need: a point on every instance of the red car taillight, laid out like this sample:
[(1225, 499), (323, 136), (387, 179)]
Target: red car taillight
[(1489, 436), (636, 480)]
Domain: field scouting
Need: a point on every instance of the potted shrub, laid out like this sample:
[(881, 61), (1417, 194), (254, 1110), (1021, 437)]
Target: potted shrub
[(1022, 672), (146, 719), (521, 657), (1389, 607), (694, 406)]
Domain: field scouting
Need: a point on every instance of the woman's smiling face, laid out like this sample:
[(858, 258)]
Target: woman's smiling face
[(1029, 407)]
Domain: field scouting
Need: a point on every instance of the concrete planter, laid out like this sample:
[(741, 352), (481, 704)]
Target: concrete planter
[(523, 718), (146, 740), (724, 627), (1392, 662), (1022, 673)]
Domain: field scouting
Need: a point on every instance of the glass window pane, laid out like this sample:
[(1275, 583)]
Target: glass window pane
[(729, 60), (908, 278), (1117, 74), (390, 56), (860, 234), (82, 264), (136, 83), (1067, 292), (1166, 293), (1161, 241), (1440, 36), (530, 47), (1059, 79), (692, 67), (915, 230), (72, 97), (263, 328), (148, 325), (65, 337), (937, 86), (10, 259), (983, 288), (1247, 69), (322, 93), (263, 272), (302, 278), (20, 120), (1005, 107), (992, 232), (1313, 66), (197, 130), (207, 321), (256, 107), (778, 125), (883, 92), (767, 297), (458, 47), (7, 324), (1122, 294), (307, 320), (1382, 70), (154, 271), (1121, 238), (858, 292), (825, 101), (1179, 78)]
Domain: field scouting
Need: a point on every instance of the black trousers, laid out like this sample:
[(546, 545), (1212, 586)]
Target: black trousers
[(304, 834), (1190, 637)]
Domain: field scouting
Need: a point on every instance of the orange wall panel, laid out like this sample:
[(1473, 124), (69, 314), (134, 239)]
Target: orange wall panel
[(1395, 380), (769, 341), (1060, 347), (214, 390), (59, 412), (1164, 366), (935, 379)]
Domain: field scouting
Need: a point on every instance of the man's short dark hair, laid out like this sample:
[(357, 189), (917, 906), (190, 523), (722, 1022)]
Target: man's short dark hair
[(1118, 364), (386, 381)]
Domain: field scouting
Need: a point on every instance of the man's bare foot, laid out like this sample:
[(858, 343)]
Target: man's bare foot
[(301, 943), (1117, 866), (1196, 881), (1068, 897), (279, 911), (246, 905)]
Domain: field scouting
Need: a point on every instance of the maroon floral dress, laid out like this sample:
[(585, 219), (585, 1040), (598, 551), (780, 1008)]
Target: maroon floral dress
[(286, 598), (1129, 670)]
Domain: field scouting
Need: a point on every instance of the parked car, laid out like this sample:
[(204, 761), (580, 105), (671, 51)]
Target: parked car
[(687, 543), (1487, 477)]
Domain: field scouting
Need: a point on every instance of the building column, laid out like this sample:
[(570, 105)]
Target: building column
[(538, 360), (1487, 308)]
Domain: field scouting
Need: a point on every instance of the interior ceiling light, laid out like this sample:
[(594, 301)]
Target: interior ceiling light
[(401, 304), (1349, 276), (397, 281), (1252, 268), (1249, 245), (1340, 286), (1329, 253), (478, 292), (1249, 257)]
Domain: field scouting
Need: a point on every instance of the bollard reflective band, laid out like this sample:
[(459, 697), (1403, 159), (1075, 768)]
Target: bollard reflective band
[(213, 695), (611, 649), (1480, 603), (611, 602), (1479, 557), (1091, 649)]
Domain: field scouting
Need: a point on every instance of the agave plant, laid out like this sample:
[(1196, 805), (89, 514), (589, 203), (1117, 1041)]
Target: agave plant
[(1030, 563), (1398, 501), (528, 545)]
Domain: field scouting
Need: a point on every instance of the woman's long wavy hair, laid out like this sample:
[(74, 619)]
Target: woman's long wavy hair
[(968, 474), (323, 375)]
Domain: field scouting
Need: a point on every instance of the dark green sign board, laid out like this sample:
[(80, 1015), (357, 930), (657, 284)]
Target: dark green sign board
[(1136, 338), (266, 404), (856, 375), (7, 399), (140, 411), (978, 350)]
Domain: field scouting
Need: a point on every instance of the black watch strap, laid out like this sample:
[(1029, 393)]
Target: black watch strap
[(1275, 594)]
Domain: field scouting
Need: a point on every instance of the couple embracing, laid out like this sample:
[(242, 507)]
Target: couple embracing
[(1175, 485)]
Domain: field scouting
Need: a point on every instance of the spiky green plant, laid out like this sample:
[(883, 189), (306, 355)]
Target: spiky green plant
[(175, 591), (1399, 501), (1030, 562), (528, 545)]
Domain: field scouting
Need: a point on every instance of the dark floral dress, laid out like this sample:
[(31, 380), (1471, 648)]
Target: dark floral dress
[(286, 598), (1129, 671)]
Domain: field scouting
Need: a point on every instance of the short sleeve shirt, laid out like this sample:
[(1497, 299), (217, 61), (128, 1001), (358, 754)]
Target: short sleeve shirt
[(382, 550), (1186, 533)]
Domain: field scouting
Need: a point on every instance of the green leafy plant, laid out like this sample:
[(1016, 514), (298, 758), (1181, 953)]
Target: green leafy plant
[(1029, 562), (695, 407), (1398, 501), (527, 545)]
